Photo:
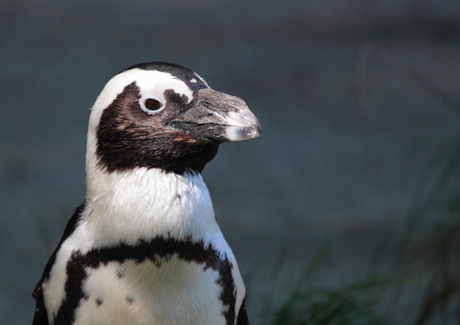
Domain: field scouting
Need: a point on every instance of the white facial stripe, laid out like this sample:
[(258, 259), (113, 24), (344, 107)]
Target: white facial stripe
[(157, 92), (152, 83), (196, 75)]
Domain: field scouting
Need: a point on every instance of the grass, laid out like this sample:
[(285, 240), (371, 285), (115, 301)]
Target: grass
[(308, 303), (423, 291)]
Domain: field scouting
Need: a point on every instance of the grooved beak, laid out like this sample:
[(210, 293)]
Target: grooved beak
[(221, 117)]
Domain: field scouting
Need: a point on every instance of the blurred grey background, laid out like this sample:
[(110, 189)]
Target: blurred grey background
[(343, 90)]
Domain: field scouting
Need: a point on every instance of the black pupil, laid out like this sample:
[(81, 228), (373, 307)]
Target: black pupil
[(152, 104)]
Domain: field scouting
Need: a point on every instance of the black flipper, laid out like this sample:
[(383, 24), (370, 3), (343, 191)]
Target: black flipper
[(41, 317), (242, 316)]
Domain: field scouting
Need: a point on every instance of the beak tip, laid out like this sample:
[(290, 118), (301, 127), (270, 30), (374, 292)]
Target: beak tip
[(236, 133)]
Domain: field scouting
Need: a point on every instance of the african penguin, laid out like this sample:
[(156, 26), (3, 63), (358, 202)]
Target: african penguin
[(145, 247)]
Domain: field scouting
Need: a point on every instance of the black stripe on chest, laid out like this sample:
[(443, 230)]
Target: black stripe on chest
[(157, 250)]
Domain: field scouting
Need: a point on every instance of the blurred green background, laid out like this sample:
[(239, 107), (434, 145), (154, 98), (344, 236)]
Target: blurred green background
[(349, 199)]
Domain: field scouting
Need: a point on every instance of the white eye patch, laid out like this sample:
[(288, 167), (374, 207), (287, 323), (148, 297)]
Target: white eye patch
[(152, 93), (152, 85)]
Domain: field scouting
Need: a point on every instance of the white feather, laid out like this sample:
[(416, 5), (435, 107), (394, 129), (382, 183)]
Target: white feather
[(175, 293)]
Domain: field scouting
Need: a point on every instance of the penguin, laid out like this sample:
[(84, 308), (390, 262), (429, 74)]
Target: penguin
[(144, 247)]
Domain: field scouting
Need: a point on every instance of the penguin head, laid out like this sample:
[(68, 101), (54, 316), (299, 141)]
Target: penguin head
[(160, 115)]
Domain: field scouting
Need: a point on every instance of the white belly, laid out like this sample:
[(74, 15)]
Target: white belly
[(174, 292)]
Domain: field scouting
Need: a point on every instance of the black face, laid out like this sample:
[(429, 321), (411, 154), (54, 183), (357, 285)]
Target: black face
[(161, 127), (129, 136)]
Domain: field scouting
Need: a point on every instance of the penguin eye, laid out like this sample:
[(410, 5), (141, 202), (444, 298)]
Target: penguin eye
[(152, 105)]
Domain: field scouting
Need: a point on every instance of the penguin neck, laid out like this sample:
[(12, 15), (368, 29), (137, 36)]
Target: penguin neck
[(142, 203)]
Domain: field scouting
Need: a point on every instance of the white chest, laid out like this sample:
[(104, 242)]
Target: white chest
[(143, 293)]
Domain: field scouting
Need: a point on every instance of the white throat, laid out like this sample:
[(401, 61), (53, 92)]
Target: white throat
[(145, 203)]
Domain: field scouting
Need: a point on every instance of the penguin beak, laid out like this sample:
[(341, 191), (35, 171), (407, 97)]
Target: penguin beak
[(220, 117)]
